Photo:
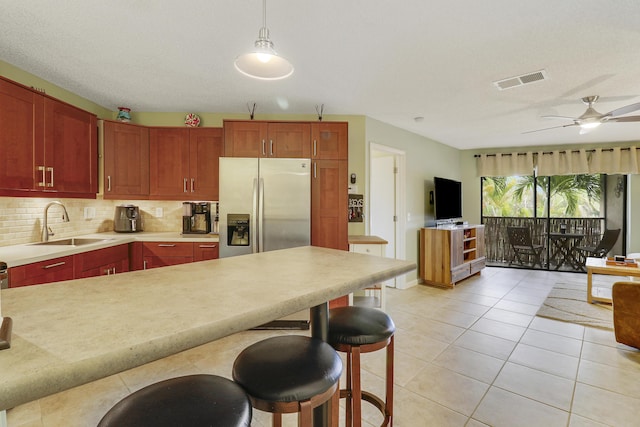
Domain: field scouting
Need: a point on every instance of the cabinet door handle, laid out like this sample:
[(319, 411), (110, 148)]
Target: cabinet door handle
[(144, 264), (271, 147), (315, 169), (51, 183), (315, 148), (166, 245), (207, 246), (57, 264), (108, 182), (44, 179), (114, 270), (107, 271), (264, 149), (193, 181), (184, 185)]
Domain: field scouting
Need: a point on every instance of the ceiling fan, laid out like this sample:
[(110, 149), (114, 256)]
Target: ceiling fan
[(591, 119)]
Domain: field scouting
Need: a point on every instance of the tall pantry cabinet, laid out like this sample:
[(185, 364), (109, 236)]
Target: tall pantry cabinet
[(329, 186)]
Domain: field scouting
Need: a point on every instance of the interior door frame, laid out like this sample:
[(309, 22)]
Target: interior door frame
[(400, 204)]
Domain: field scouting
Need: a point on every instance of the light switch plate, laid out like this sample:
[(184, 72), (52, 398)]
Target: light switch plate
[(89, 213), (159, 212)]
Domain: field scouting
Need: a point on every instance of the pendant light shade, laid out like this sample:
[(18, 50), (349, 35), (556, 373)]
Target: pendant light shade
[(263, 62)]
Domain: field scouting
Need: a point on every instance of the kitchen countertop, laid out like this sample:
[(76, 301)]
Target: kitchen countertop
[(69, 333), (366, 240), (27, 253)]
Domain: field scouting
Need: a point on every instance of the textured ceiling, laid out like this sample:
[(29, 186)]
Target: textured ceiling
[(389, 60)]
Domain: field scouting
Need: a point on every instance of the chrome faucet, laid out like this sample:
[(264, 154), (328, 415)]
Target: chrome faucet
[(46, 231)]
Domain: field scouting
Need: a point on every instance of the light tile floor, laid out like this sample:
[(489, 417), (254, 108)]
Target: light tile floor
[(472, 356)]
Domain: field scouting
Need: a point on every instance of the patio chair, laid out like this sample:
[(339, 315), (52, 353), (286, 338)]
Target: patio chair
[(523, 247), (609, 238)]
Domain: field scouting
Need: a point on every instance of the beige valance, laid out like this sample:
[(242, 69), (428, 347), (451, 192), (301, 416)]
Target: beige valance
[(617, 160)]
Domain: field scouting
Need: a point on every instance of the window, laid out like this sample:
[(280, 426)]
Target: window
[(560, 196)]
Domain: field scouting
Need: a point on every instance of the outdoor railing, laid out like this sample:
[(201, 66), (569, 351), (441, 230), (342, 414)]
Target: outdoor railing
[(499, 252)]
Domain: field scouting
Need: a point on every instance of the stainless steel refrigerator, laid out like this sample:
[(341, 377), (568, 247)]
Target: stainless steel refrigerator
[(265, 205)]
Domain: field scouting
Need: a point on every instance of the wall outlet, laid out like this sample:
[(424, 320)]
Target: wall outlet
[(89, 213), (159, 212)]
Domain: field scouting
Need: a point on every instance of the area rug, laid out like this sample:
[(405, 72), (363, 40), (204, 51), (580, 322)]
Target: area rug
[(568, 302)]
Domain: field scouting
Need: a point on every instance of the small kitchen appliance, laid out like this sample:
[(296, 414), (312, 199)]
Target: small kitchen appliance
[(127, 219), (196, 217)]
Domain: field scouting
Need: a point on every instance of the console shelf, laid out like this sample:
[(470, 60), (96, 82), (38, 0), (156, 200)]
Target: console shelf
[(449, 255)]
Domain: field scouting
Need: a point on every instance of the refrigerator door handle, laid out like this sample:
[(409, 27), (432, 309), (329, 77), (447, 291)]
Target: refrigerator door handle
[(261, 215), (253, 231)]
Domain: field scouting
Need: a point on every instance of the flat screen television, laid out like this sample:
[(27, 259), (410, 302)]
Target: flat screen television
[(448, 198)]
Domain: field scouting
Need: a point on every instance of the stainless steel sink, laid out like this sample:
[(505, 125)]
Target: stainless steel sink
[(71, 242)]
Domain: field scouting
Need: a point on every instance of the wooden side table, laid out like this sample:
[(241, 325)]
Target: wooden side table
[(599, 266)]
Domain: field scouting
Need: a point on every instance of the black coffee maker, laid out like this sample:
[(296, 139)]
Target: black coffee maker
[(196, 217)]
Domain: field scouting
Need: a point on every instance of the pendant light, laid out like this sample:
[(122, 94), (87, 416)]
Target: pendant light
[(263, 62)]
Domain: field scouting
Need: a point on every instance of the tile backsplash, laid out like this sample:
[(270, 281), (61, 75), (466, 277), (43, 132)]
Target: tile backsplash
[(21, 218)]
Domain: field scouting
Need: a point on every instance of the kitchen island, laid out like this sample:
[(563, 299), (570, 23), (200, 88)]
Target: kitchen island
[(69, 333)]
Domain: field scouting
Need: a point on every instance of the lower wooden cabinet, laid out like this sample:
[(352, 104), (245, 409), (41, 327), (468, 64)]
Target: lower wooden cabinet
[(162, 254), (205, 251), (52, 270), (112, 260), (102, 262)]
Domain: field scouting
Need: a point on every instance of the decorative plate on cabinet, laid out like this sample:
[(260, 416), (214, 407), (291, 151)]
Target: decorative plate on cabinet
[(192, 120)]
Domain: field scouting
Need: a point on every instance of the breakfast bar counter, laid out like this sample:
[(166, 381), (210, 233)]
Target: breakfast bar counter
[(69, 333)]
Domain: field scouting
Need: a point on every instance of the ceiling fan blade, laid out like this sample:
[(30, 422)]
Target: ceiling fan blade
[(623, 110), (554, 127), (625, 119), (558, 117)]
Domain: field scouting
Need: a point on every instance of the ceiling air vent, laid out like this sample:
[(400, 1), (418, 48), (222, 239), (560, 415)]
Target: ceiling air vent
[(521, 80)]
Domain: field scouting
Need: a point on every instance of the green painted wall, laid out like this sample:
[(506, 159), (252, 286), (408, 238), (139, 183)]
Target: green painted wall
[(17, 75), (425, 159)]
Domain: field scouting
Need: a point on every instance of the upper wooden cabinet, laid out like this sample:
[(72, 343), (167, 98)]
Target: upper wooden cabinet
[(330, 140), (48, 146), (126, 160), (21, 129), (184, 163), (70, 160), (205, 149), (267, 139)]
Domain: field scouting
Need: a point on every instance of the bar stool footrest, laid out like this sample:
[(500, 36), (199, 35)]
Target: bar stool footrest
[(374, 400)]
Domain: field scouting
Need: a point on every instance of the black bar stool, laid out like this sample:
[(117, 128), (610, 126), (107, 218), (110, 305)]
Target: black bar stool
[(288, 374), (194, 400), (357, 330)]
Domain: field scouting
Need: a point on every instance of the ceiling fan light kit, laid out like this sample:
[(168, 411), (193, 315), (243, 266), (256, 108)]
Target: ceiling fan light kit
[(263, 62)]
